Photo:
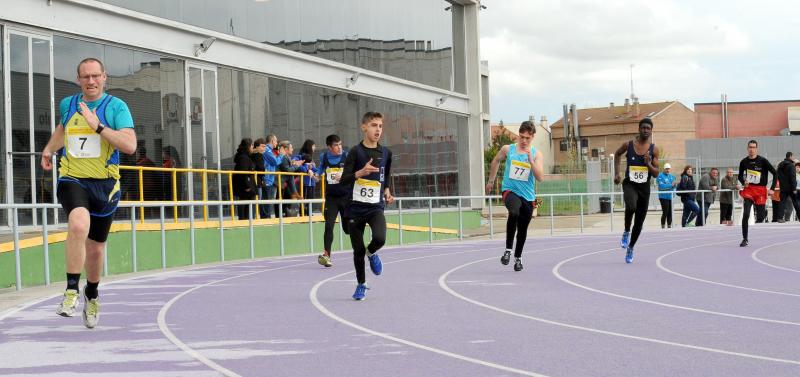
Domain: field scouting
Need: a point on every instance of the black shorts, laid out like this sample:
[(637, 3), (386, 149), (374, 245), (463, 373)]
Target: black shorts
[(99, 196)]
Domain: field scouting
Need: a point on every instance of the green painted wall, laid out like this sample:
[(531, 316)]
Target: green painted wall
[(207, 246)]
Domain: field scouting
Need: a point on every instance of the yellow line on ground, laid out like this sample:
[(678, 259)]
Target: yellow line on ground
[(149, 227)]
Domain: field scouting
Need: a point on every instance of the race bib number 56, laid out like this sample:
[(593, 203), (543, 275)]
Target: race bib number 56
[(637, 174)]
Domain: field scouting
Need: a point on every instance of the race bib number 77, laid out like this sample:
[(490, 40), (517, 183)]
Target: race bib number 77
[(753, 176), (520, 170)]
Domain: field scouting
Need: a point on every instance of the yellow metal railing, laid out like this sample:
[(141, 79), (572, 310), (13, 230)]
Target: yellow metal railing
[(204, 176)]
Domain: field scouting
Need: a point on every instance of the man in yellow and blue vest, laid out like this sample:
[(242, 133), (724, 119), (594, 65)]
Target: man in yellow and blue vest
[(94, 128)]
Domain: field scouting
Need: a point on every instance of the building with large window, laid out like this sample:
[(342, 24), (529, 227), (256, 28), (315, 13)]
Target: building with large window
[(201, 75)]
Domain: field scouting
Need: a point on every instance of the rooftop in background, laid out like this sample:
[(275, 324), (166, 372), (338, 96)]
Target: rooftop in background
[(747, 119), (612, 114)]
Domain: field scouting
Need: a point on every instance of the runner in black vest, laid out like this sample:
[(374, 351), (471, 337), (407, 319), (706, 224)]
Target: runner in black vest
[(337, 195), (753, 175), (367, 170), (642, 156)]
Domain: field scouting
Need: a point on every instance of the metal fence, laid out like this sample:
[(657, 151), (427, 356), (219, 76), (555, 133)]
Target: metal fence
[(491, 214)]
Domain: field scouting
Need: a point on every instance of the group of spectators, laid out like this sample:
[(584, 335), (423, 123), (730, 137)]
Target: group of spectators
[(785, 198), (270, 156)]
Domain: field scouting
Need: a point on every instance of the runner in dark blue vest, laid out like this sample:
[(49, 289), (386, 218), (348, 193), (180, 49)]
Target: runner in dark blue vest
[(367, 170), (337, 195), (642, 157)]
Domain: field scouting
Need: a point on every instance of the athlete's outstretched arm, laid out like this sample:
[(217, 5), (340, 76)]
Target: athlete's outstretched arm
[(501, 156), (56, 142), (617, 156)]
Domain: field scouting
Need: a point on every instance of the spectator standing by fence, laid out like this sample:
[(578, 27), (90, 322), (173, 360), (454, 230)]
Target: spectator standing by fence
[(726, 198), (708, 182), (666, 182), (690, 208), (244, 185)]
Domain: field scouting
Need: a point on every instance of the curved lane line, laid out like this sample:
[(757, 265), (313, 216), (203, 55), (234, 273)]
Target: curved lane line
[(755, 257), (444, 286), (164, 327), (315, 301), (660, 303), (661, 266)]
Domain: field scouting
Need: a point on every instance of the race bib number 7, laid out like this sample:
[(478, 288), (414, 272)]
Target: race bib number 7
[(753, 176), (637, 174), (367, 191), (84, 145), (520, 170)]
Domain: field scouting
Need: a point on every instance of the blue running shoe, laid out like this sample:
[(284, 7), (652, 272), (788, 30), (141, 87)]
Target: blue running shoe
[(624, 242), (375, 264), (361, 292), (629, 256)]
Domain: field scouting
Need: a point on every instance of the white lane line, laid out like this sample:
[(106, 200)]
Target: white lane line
[(755, 257), (164, 327), (312, 295), (557, 273), (446, 288), (659, 263)]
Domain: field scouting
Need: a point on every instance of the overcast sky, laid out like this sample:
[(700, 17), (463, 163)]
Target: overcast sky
[(545, 53)]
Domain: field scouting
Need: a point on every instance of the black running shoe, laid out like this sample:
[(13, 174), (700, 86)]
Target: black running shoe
[(743, 244), (517, 264), (505, 258)]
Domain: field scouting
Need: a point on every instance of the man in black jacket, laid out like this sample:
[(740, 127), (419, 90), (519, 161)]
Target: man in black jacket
[(788, 181)]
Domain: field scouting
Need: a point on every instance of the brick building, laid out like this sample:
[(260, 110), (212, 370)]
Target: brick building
[(745, 119), (602, 130)]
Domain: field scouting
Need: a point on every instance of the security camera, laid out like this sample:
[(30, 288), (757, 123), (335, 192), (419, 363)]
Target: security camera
[(350, 81), (204, 45)]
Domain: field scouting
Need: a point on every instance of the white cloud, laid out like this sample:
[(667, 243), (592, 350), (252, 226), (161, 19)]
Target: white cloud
[(543, 53)]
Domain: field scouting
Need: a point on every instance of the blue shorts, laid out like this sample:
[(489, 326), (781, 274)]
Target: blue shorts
[(99, 196)]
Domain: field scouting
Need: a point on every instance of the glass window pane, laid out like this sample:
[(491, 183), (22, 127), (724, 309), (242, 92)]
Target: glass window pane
[(411, 39), (21, 123)]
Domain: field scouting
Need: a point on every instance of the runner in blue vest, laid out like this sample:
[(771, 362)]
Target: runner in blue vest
[(367, 170), (523, 164), (94, 128), (642, 156), (337, 196)]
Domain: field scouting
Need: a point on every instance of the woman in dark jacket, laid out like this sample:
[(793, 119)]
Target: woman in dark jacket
[(244, 185), (690, 208)]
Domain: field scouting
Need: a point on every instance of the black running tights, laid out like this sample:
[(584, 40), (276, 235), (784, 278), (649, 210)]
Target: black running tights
[(520, 212), (377, 224), (334, 206), (761, 215)]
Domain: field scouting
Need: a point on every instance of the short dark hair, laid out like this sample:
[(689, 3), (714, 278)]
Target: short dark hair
[(370, 115), (259, 142), (87, 60), (789, 155), (332, 139), (752, 142), (527, 126), (646, 120)]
